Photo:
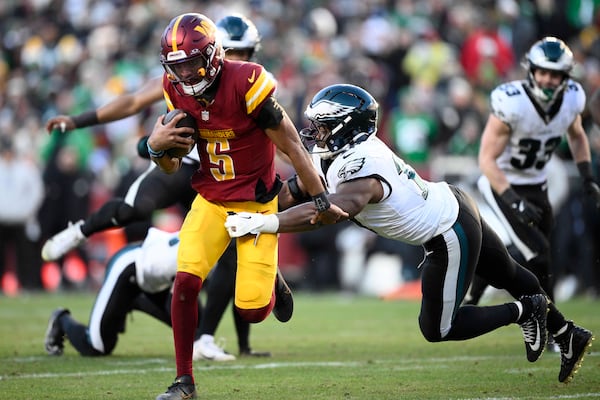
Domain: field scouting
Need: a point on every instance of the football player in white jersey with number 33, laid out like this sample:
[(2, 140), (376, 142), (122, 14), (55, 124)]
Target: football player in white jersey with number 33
[(527, 122)]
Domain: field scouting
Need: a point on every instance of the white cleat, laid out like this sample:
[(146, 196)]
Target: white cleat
[(205, 348), (64, 241)]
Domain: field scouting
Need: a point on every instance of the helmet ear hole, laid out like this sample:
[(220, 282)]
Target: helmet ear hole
[(202, 72)]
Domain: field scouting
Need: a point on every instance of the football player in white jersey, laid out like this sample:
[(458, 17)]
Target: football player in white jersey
[(384, 194), (138, 277), (527, 123)]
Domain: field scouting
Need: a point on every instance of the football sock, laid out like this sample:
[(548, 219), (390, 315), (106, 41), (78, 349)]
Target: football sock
[(78, 336), (525, 311), (184, 316)]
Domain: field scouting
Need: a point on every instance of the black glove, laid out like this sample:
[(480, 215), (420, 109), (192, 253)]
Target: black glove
[(590, 188), (526, 213)]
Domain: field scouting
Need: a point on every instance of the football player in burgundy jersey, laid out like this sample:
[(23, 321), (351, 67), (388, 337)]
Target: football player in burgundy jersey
[(155, 190), (240, 125), (385, 195)]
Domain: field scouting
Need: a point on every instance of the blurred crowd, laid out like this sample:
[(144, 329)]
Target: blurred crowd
[(430, 63)]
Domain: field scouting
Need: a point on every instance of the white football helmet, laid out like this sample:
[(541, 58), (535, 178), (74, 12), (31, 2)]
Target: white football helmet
[(550, 54), (238, 33)]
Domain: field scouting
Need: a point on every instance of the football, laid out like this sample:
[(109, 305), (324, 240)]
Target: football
[(187, 121)]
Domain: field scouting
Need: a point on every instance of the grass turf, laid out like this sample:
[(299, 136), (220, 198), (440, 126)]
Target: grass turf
[(335, 347)]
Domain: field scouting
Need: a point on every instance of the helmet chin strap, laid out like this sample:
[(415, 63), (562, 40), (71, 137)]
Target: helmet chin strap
[(541, 96)]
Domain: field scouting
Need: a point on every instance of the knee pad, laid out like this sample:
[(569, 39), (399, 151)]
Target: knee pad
[(248, 295), (249, 298)]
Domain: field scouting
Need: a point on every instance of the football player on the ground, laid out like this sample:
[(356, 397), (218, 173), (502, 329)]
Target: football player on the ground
[(382, 193), (138, 277)]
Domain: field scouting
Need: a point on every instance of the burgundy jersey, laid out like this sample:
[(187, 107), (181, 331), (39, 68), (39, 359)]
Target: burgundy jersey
[(236, 156)]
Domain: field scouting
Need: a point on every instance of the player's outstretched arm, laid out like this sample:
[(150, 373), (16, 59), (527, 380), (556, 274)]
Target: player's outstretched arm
[(352, 196), (287, 140), (120, 107)]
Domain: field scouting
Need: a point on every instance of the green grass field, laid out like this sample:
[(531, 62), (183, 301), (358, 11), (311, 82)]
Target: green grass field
[(335, 347)]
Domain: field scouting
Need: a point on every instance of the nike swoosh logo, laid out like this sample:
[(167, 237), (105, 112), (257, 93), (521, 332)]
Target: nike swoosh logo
[(245, 217), (251, 79), (346, 155), (536, 345), (569, 354)]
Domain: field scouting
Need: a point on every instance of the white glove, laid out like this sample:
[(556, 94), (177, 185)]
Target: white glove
[(243, 223)]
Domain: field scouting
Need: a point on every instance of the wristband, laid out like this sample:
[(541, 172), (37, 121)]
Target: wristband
[(154, 154), (321, 202), (295, 191), (271, 224), (585, 170), (87, 118), (142, 147)]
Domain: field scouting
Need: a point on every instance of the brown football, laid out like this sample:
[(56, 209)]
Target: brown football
[(187, 121)]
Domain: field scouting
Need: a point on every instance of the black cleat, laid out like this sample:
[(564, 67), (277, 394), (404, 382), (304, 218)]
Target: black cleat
[(534, 327), (251, 353), (55, 336), (574, 343), (284, 301), (182, 389)]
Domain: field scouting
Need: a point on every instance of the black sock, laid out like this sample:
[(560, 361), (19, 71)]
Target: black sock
[(527, 308)]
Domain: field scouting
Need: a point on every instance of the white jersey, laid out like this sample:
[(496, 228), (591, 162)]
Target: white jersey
[(156, 263), (533, 138), (192, 157), (412, 210)]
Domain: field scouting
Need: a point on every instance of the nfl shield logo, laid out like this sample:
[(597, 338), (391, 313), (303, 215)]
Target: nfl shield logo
[(204, 115)]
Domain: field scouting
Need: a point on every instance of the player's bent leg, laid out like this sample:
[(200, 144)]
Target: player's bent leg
[(77, 334), (114, 212), (256, 276), (256, 315)]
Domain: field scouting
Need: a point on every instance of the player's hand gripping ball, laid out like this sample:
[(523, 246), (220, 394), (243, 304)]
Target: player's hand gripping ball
[(189, 122)]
